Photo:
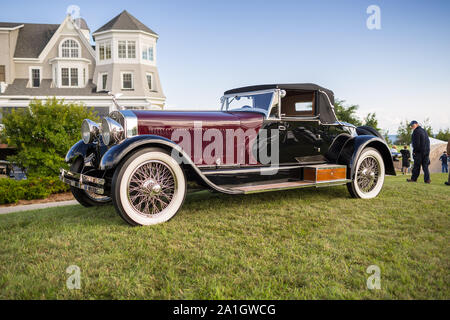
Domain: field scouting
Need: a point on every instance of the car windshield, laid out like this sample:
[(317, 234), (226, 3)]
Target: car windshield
[(252, 102)]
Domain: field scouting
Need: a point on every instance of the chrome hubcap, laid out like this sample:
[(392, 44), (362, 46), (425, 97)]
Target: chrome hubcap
[(151, 187), (368, 174)]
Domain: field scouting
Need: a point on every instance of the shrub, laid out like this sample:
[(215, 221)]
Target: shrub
[(43, 133), (34, 188)]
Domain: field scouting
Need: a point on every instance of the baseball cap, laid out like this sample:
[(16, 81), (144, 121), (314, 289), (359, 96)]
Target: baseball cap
[(413, 122)]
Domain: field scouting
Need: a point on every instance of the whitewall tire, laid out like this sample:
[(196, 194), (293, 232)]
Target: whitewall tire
[(369, 175), (149, 187)]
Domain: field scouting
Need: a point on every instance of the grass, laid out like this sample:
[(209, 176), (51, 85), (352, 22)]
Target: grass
[(298, 244)]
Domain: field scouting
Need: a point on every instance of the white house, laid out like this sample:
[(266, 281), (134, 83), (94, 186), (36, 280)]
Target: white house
[(51, 60)]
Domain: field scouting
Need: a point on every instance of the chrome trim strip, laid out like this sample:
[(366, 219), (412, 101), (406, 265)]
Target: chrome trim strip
[(249, 170), (131, 123)]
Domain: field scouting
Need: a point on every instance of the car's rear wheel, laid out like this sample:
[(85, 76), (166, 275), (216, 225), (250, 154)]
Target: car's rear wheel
[(86, 198), (149, 187), (369, 175)]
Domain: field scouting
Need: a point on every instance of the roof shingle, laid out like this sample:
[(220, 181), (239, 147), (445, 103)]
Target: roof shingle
[(33, 38), (125, 21), (9, 24), (19, 88)]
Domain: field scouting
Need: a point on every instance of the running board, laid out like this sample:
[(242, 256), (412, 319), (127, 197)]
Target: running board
[(286, 185)]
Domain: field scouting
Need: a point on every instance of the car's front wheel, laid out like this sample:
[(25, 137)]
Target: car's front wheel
[(369, 175), (149, 187)]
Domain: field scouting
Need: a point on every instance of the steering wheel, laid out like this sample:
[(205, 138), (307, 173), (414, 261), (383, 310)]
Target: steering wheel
[(246, 107)]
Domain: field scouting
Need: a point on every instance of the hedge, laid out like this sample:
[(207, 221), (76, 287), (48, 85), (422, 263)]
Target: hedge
[(43, 133), (11, 191)]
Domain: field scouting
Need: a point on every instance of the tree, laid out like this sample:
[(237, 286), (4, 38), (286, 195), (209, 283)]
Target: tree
[(43, 133), (346, 113), (427, 127), (385, 134), (404, 132), (371, 121), (443, 135)]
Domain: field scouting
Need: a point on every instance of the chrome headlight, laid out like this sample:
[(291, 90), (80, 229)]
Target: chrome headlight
[(112, 131), (89, 130)]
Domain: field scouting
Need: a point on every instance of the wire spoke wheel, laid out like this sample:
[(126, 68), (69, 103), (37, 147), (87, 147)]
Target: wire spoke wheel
[(151, 187), (368, 174)]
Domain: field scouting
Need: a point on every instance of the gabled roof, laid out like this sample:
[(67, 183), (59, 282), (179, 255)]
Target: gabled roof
[(125, 21), (33, 38)]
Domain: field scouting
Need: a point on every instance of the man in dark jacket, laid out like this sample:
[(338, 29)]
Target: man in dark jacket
[(421, 152), (448, 153), (444, 160)]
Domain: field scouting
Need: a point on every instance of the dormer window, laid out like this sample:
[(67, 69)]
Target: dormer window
[(35, 77), (70, 49)]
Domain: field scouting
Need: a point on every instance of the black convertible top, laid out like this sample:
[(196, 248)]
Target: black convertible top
[(325, 101), (285, 86)]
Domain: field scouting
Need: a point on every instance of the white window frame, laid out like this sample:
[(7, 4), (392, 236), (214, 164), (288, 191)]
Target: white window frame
[(70, 77), (4, 68), (70, 55), (100, 81), (153, 53), (127, 49), (105, 44), (151, 88), (146, 48), (132, 80), (30, 75)]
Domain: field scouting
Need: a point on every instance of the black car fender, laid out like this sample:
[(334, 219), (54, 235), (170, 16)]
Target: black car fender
[(117, 152), (353, 147), (81, 149)]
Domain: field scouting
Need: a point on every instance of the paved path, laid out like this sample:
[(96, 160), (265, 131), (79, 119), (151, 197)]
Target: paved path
[(36, 206)]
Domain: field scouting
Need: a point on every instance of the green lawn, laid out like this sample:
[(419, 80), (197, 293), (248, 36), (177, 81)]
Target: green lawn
[(299, 244)]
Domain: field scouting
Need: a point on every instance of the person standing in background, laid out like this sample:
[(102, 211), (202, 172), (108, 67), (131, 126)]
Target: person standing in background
[(444, 160), (406, 155), (421, 152), (448, 152)]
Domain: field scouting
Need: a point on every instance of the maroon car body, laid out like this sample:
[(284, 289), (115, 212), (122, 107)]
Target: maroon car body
[(165, 123)]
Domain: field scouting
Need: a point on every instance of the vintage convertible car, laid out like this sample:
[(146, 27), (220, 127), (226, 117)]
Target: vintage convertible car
[(264, 138)]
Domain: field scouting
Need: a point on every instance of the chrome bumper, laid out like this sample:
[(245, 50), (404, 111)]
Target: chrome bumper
[(81, 181)]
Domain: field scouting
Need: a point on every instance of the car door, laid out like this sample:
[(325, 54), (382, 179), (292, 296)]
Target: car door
[(301, 137), (295, 130)]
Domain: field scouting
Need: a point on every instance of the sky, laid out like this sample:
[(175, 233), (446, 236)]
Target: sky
[(400, 71)]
